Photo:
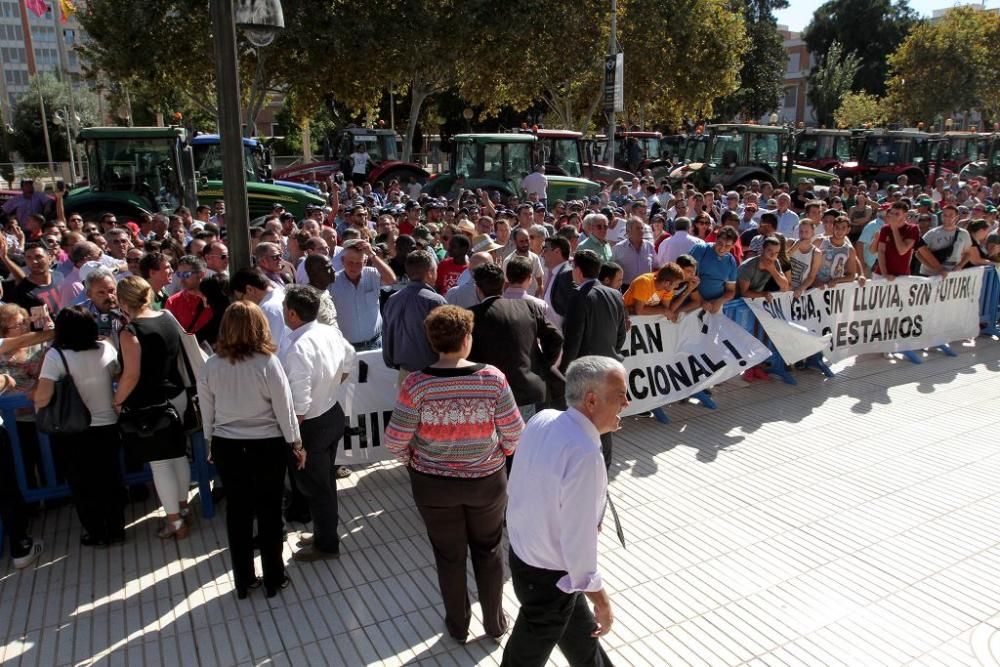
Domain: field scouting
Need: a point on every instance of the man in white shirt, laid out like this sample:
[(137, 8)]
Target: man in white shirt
[(535, 183), (556, 499), (253, 285), (678, 244), (788, 220), (359, 165), (317, 360)]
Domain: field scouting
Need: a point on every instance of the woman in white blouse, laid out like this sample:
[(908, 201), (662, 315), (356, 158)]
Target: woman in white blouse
[(246, 408), (93, 469)]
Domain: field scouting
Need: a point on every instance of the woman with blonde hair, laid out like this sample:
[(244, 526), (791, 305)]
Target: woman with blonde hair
[(151, 346), (249, 421)]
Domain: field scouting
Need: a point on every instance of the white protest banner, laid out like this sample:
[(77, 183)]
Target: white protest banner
[(666, 362), (369, 397), (908, 313)]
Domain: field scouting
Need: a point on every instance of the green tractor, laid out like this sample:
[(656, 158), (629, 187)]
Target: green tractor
[(498, 163), (140, 170), (736, 154)]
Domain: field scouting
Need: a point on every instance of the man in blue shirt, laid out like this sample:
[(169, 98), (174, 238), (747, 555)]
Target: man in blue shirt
[(404, 341), (717, 270), (355, 293)]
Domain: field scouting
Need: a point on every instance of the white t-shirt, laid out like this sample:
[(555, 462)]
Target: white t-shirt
[(534, 183), (939, 238), (92, 372), (360, 161)]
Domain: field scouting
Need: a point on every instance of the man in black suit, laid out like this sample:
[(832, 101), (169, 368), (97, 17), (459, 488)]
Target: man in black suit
[(559, 285), (514, 336), (594, 323)]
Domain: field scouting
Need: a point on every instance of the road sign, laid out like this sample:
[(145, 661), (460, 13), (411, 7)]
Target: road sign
[(614, 79)]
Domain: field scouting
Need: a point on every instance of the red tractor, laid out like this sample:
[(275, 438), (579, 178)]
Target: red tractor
[(562, 152), (887, 154), (383, 148), (957, 149), (822, 149)]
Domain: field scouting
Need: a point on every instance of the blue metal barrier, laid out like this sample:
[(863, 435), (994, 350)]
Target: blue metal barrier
[(50, 488), (989, 303)]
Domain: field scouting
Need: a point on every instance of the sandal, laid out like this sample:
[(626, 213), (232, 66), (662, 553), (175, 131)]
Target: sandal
[(174, 529)]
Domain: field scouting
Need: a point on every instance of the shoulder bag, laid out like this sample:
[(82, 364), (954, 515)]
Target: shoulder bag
[(66, 412)]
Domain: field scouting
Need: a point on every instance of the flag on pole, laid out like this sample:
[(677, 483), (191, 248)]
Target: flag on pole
[(66, 9), (37, 7)]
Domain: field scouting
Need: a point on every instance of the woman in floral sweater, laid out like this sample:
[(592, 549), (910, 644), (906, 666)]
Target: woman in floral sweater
[(454, 424)]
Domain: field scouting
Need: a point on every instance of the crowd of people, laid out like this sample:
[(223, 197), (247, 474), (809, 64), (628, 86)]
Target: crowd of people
[(503, 316)]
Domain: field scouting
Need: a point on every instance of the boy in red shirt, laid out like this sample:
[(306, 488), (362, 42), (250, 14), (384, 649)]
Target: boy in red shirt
[(451, 268), (896, 241)]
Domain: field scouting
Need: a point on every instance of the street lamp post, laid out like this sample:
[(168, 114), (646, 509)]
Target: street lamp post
[(263, 19)]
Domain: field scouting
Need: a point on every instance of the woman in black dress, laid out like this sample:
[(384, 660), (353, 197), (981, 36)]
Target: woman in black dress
[(150, 347)]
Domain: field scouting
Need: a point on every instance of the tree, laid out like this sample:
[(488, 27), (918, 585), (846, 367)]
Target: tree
[(946, 66), (832, 78), (163, 52), (762, 75), (27, 138), (670, 66), (676, 70), (859, 110), (871, 29)]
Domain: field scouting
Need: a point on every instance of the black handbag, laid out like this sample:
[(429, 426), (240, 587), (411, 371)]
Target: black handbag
[(942, 255), (66, 413), (149, 421)]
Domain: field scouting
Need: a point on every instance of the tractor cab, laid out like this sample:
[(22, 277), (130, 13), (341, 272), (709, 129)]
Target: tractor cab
[(821, 148)]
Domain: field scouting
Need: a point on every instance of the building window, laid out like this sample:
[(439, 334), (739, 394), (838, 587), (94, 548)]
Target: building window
[(793, 63), (791, 97)]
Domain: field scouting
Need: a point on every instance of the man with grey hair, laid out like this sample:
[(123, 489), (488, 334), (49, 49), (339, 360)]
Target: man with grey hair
[(102, 301), (788, 220), (556, 500), (595, 226)]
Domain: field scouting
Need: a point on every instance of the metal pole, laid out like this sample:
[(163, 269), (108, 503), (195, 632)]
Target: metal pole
[(45, 133), (29, 52), (612, 50), (64, 75), (392, 108), (228, 92)]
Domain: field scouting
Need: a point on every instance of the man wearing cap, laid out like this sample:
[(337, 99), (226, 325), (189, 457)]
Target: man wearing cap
[(535, 183), (412, 219), (27, 203)]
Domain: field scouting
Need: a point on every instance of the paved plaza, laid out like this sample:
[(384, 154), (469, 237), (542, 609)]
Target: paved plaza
[(846, 521)]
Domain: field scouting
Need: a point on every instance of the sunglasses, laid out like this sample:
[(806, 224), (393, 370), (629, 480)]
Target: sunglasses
[(274, 257), (184, 275), (223, 256)]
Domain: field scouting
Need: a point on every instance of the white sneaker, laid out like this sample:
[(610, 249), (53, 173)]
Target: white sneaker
[(26, 560)]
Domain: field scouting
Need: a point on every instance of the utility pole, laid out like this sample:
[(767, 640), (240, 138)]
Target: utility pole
[(610, 83), (227, 84), (64, 76), (29, 52)]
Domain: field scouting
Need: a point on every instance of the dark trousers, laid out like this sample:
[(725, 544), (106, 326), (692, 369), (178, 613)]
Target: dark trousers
[(549, 618), (465, 515), (94, 474), (318, 480), (12, 510), (253, 473)]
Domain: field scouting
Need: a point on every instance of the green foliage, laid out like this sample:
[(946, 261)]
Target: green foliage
[(762, 71), (27, 138), (871, 29), (672, 67), (831, 79), (947, 66), (860, 110)]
